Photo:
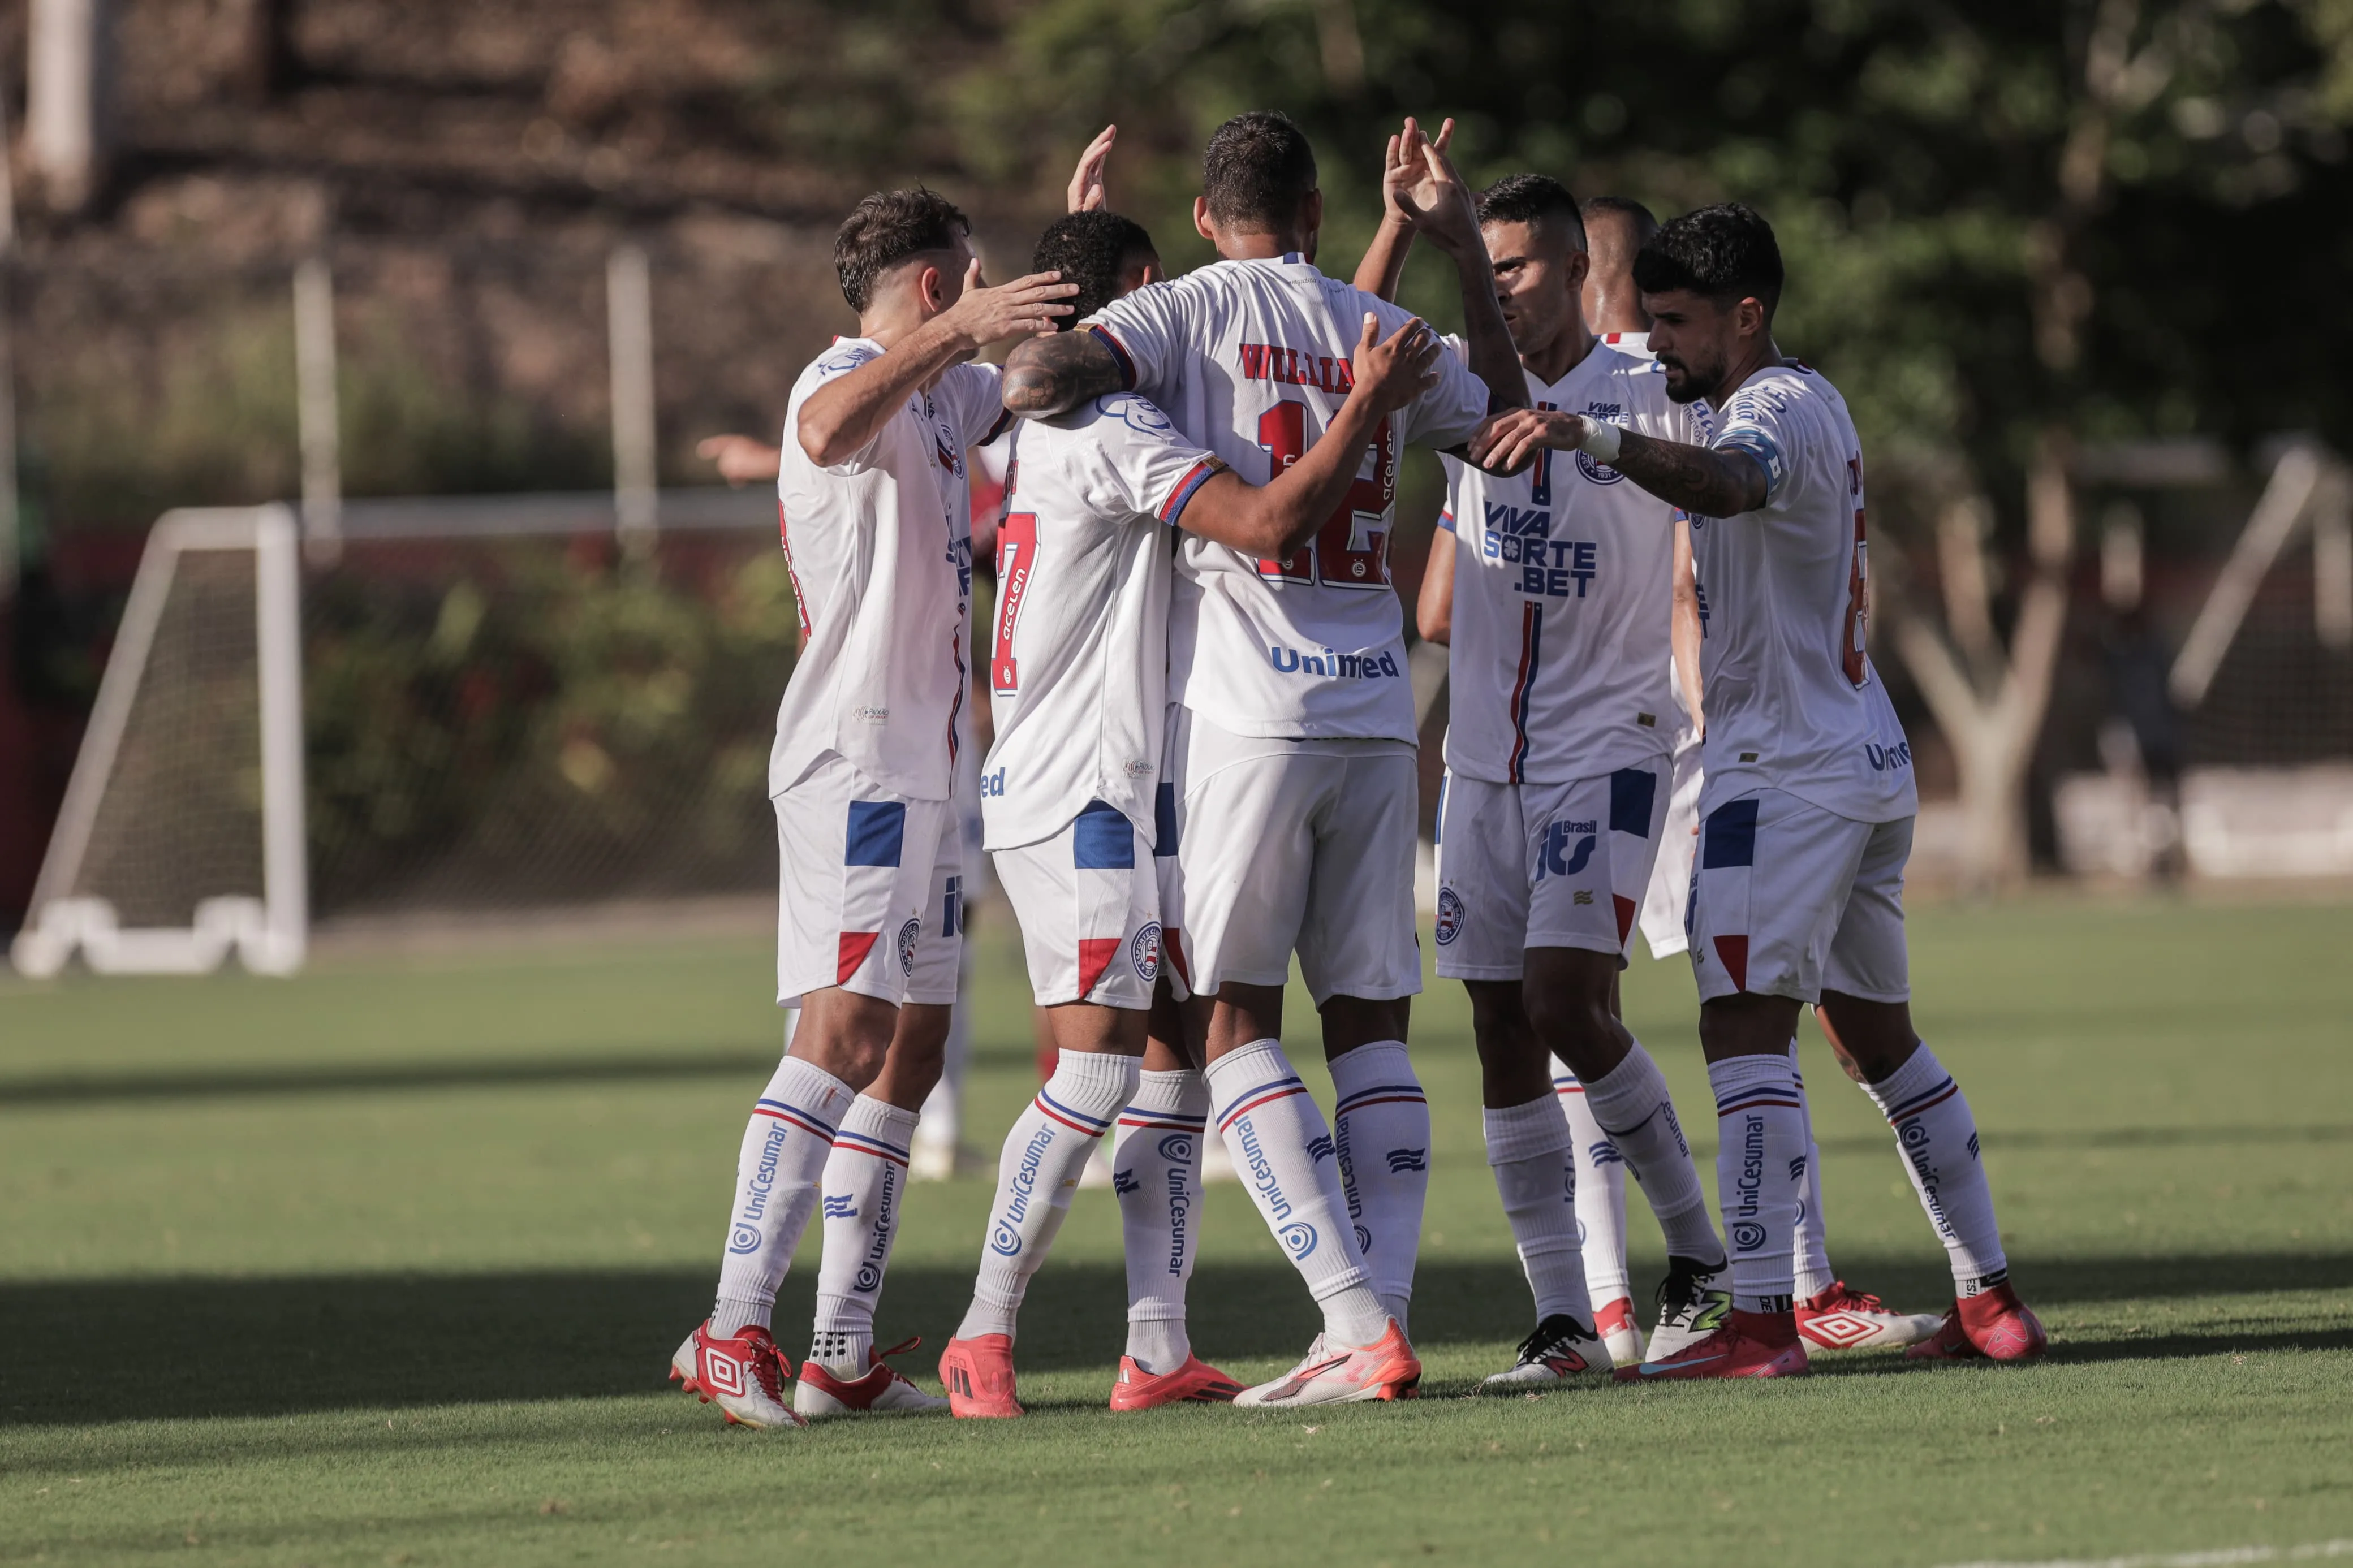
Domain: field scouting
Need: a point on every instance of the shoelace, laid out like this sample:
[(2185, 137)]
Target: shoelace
[(913, 1341), (1543, 1337), (770, 1368), (1845, 1298), (1678, 1292)]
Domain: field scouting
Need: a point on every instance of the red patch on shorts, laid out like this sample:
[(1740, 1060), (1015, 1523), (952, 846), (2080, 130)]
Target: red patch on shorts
[(1095, 953), (1733, 951), (1625, 916), (855, 946)]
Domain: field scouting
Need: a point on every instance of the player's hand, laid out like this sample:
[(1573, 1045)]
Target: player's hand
[(1395, 371), (1021, 309), (1087, 191), (1510, 441), (740, 458), (1421, 186)]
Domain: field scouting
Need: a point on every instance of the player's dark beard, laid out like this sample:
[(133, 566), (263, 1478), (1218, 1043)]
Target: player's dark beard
[(1687, 383)]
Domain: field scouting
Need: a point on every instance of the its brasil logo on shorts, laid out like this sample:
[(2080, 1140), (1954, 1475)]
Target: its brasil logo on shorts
[(1143, 951), (1449, 916)]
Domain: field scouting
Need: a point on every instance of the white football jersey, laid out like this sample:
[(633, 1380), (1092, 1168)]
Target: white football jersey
[(881, 551), (1636, 345), (1564, 588), (1792, 702), (1251, 360), (1078, 666)]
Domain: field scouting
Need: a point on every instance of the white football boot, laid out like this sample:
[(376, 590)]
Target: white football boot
[(883, 1391), (1561, 1349), (1386, 1369), (744, 1376), (1845, 1318), (1693, 1304)]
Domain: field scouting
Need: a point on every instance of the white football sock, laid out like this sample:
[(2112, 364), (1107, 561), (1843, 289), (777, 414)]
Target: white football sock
[(1813, 1245), (865, 1183), (1155, 1168), (1938, 1139), (1629, 1103), (1530, 1150), (1760, 1171), (1287, 1160), (1601, 1194), (786, 1146), (1037, 1177), (1380, 1124)]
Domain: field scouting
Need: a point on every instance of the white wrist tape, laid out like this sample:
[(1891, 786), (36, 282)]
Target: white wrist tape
[(1601, 440)]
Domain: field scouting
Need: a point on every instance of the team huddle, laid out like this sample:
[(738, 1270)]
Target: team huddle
[(1662, 713)]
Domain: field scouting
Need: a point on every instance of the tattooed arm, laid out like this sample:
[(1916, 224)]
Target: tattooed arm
[(1053, 374), (1708, 481)]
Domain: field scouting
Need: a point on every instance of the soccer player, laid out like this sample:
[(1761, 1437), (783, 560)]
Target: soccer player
[(878, 534), (1554, 593), (1077, 686), (1832, 1314), (1292, 755), (1808, 806)]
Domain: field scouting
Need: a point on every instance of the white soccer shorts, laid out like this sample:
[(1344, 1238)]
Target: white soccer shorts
[(1295, 846), (1543, 864), (1670, 888), (871, 894), (1793, 900), (1087, 900)]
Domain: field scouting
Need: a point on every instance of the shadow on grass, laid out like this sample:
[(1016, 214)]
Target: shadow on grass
[(751, 1068), (84, 1351)]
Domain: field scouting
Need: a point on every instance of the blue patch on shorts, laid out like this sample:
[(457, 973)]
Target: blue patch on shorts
[(877, 831), (1164, 822), (1633, 792), (1729, 836), (1103, 839)]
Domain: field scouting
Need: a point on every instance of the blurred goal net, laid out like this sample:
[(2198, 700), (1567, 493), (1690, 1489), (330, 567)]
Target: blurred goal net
[(479, 707)]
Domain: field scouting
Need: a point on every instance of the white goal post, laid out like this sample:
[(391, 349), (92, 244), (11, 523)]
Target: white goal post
[(189, 570)]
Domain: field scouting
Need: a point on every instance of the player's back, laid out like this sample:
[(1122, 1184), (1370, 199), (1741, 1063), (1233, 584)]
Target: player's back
[(881, 551), (1251, 360), (1792, 700), (1078, 665)]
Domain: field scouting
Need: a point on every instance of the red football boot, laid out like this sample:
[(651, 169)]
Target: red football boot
[(979, 1376), (1749, 1345), (743, 1374), (1993, 1324), (883, 1391), (1845, 1318), (1195, 1383)]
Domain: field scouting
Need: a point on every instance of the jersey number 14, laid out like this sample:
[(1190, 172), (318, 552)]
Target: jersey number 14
[(1333, 558)]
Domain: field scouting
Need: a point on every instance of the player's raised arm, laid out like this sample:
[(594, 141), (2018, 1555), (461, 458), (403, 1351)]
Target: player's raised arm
[(1277, 517), (840, 417), (1087, 192), (1401, 168), (1711, 481), (1440, 205)]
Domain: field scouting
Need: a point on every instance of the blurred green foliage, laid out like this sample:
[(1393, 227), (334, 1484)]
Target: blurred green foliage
[(537, 721), (1907, 152)]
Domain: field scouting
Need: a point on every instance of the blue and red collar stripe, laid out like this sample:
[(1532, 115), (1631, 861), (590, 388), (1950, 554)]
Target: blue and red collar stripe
[(1118, 351)]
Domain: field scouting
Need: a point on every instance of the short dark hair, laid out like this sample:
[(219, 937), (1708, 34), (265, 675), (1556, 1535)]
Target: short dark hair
[(1645, 224), (1091, 250), (1256, 173), (1538, 200), (1726, 252), (886, 228)]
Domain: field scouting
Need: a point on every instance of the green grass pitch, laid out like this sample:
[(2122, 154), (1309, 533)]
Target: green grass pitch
[(383, 1264)]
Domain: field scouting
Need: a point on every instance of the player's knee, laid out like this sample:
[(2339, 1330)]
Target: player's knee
[(1569, 1016)]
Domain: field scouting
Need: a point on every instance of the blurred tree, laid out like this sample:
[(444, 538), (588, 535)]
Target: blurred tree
[(2011, 227)]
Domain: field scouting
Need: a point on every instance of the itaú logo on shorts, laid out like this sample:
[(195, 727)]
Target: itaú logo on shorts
[(1332, 666), (1556, 859), (1144, 952), (1449, 916)]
